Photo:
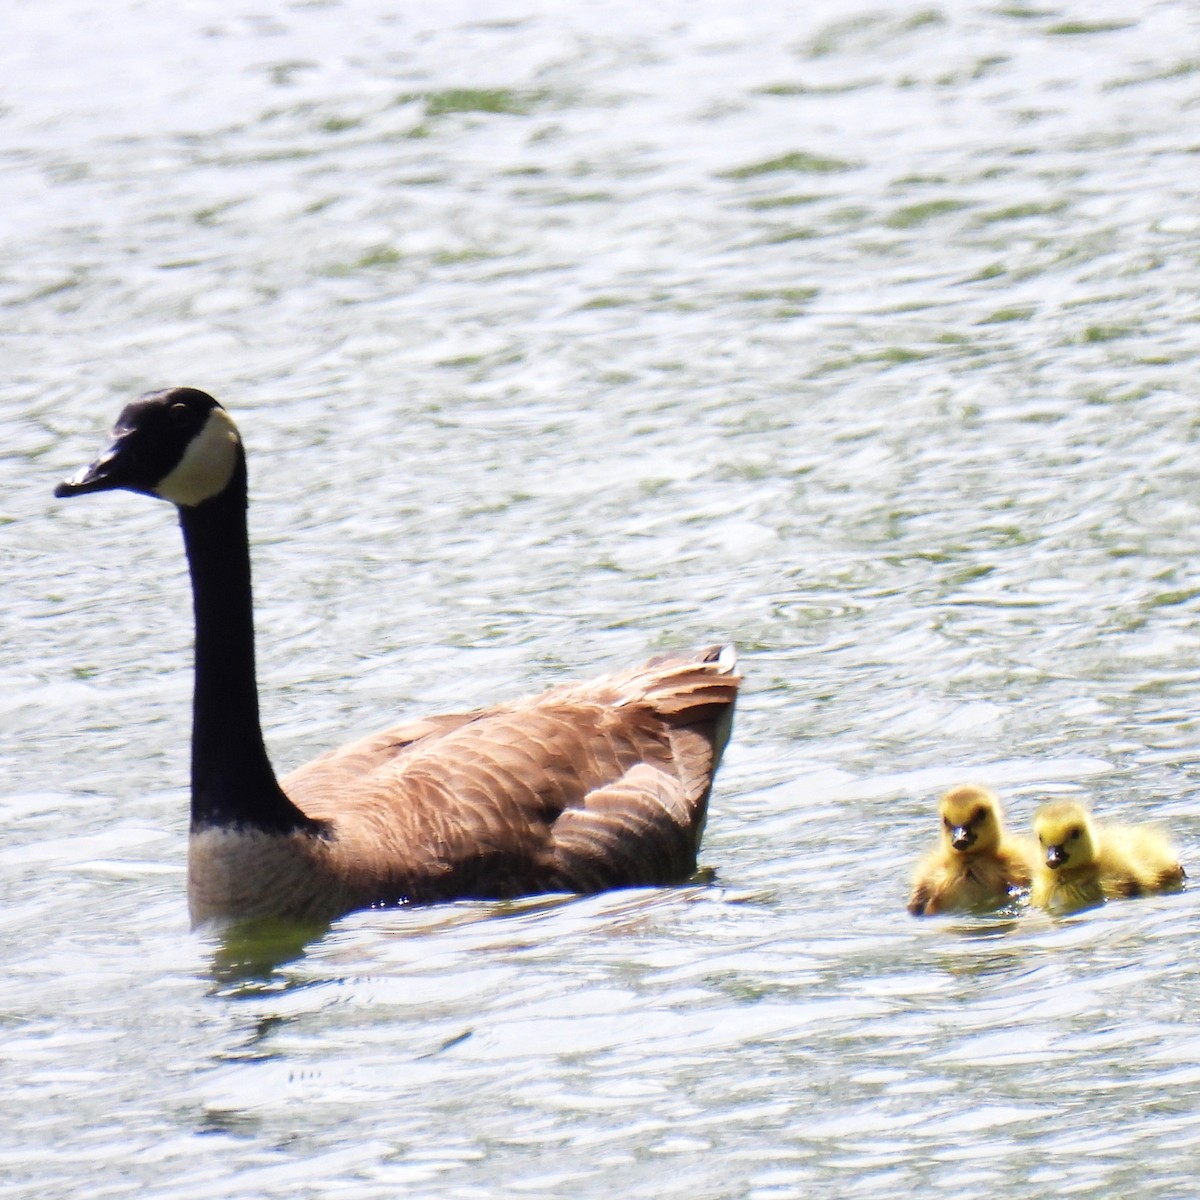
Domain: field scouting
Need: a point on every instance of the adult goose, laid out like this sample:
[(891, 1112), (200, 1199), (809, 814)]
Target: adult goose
[(583, 788)]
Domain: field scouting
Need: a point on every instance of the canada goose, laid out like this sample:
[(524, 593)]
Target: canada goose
[(976, 866), (1084, 863), (586, 787)]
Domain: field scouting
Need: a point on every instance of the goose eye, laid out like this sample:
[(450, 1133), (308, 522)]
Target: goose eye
[(178, 414)]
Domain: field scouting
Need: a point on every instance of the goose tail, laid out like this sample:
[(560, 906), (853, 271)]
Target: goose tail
[(696, 692), (680, 685)]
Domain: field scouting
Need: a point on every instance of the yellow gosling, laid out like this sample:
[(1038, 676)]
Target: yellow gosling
[(1083, 863), (976, 866)]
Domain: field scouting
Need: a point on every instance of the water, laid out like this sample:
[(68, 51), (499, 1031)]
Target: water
[(560, 334)]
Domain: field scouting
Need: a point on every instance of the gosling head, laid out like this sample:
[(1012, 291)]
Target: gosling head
[(1066, 834), (970, 819), (179, 444)]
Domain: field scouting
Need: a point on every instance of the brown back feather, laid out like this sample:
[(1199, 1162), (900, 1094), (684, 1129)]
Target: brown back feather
[(583, 788)]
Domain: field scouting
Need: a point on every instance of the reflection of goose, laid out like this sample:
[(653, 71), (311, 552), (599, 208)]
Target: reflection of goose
[(976, 866), (586, 787), (1084, 863)]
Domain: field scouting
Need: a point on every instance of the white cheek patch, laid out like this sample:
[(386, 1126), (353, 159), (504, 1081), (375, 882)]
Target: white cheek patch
[(207, 465)]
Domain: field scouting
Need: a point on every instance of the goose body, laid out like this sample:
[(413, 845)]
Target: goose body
[(1084, 863), (976, 866), (586, 787)]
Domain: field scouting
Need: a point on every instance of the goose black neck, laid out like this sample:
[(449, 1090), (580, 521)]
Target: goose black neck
[(233, 784)]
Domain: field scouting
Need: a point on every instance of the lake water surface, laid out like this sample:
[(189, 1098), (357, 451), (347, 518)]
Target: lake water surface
[(559, 334)]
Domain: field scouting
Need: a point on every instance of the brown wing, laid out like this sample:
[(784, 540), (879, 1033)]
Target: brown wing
[(918, 902), (583, 788)]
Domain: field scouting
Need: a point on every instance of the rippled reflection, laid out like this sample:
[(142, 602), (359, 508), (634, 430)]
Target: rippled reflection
[(557, 336)]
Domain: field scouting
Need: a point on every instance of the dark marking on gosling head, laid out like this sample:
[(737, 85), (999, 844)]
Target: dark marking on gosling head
[(962, 837)]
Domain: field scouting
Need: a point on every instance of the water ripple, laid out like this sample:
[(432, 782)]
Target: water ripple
[(559, 336)]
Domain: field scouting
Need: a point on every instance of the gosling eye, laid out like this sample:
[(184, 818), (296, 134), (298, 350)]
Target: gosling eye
[(949, 824), (1074, 834), (978, 814)]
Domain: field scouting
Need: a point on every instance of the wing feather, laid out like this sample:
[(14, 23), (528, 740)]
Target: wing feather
[(585, 787)]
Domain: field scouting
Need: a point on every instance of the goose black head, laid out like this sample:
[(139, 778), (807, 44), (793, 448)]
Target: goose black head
[(179, 444)]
